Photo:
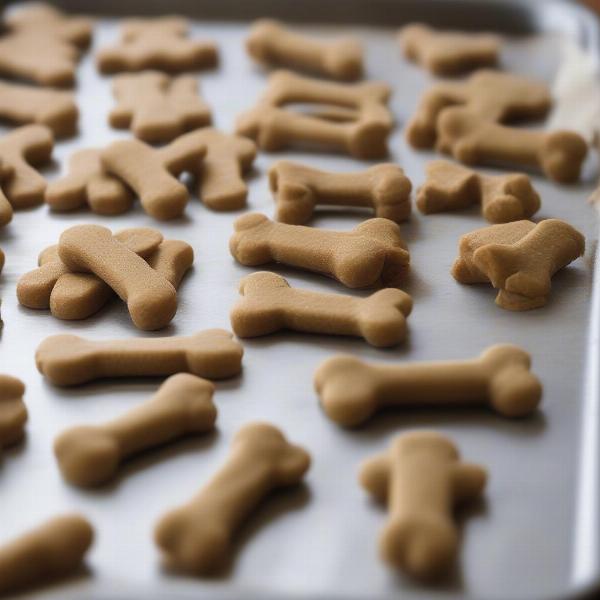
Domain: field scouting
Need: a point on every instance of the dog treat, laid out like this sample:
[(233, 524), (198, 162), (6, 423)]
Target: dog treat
[(270, 42), (160, 43), (298, 189), (358, 123), (351, 391), (22, 147), (70, 360), (13, 412), (421, 479), (88, 184), (53, 550), (269, 304), (152, 172), (198, 536), (372, 253), (448, 52), (503, 198), (90, 455), (156, 107), (172, 259), (6, 211), (493, 95)]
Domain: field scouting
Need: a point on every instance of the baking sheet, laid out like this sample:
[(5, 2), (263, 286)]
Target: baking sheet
[(319, 541)]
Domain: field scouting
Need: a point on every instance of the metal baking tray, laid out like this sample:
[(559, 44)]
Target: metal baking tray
[(536, 534)]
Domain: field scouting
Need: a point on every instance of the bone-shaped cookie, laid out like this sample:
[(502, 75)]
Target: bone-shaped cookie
[(156, 107), (161, 43), (351, 391), (198, 536), (298, 189), (71, 360), (359, 124), (151, 172), (421, 479), (13, 412), (269, 304), (503, 198), (90, 455), (270, 42), (372, 253), (51, 551)]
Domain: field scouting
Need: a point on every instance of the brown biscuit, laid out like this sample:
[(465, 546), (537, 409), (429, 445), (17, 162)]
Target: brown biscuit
[(51, 551), (503, 198), (372, 253), (156, 107), (269, 304), (71, 360), (351, 391), (6, 211), (161, 43), (198, 536), (90, 455), (298, 189), (13, 412), (358, 124), (270, 42), (172, 259), (421, 479), (448, 52)]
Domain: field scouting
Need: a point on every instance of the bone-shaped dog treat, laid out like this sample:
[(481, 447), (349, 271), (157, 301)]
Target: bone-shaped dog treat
[(448, 52), (19, 149), (151, 172), (298, 189), (161, 43), (473, 139), (71, 360), (359, 127), (269, 304), (372, 253), (90, 455), (13, 412), (351, 391), (51, 551), (172, 259), (156, 107), (198, 536), (270, 42), (503, 198), (421, 479)]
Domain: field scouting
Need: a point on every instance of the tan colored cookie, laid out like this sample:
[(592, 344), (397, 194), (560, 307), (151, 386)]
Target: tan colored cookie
[(51, 551), (160, 43), (269, 304), (421, 479), (13, 412), (156, 107), (359, 124), (372, 253), (298, 189), (90, 455), (503, 198), (71, 360), (271, 42), (351, 391), (198, 537), (6, 211), (172, 259), (448, 52)]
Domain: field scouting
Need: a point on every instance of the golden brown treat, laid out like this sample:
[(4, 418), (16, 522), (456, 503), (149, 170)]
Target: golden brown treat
[(90, 455), (269, 304), (372, 253), (298, 189), (198, 536), (421, 479), (51, 551), (172, 259), (352, 391), (160, 43), (13, 412), (358, 122), (6, 211), (503, 198), (156, 107), (271, 42), (71, 360), (448, 52)]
